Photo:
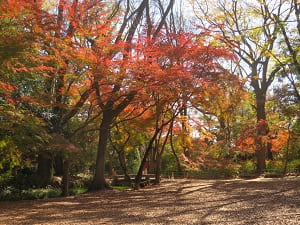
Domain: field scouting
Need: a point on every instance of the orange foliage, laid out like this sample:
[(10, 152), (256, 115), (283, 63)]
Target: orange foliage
[(280, 140), (82, 55)]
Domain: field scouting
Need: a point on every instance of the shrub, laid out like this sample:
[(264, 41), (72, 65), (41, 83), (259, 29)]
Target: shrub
[(247, 168), (294, 166), (274, 166)]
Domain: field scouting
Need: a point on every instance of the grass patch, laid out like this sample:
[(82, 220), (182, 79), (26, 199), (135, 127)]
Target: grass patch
[(78, 190), (11, 193), (121, 187)]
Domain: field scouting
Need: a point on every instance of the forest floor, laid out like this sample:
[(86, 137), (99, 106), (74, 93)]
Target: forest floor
[(183, 201)]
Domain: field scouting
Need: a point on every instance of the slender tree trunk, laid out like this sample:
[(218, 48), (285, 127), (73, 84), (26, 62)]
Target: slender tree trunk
[(121, 156), (173, 150), (159, 155), (186, 150), (287, 150), (122, 160), (149, 147), (65, 179), (157, 130)]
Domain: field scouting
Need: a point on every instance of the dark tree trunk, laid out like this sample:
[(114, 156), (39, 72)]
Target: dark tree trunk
[(261, 131), (222, 133), (269, 152), (260, 155), (65, 179), (109, 113), (260, 99), (44, 171), (158, 169), (99, 179), (58, 165)]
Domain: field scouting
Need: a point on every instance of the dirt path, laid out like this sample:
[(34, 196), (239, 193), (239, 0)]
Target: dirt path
[(259, 201)]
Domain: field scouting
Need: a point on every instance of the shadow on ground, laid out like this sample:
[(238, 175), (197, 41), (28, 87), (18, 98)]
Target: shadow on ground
[(258, 201)]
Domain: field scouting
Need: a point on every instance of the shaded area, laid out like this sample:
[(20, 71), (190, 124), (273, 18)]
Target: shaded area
[(257, 201)]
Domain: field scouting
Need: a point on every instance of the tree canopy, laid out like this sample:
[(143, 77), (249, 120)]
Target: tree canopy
[(102, 87)]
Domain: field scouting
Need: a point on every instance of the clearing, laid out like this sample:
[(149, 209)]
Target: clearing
[(183, 201)]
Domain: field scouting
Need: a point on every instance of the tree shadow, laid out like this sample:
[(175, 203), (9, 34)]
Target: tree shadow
[(172, 202)]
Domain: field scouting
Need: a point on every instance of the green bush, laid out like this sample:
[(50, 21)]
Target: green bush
[(247, 168), (273, 166), (168, 162), (78, 190), (294, 166)]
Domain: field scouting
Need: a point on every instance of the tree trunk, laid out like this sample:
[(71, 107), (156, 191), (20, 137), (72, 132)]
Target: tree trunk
[(158, 169), (159, 155), (109, 113), (260, 155), (121, 156), (269, 152), (261, 131), (58, 165), (173, 150), (44, 170), (286, 160), (152, 161), (65, 179), (99, 179), (149, 147), (186, 150)]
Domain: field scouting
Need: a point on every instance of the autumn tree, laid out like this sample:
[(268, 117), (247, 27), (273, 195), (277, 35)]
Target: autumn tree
[(68, 86), (19, 67), (58, 55), (221, 108), (288, 57), (287, 94), (189, 64), (119, 90), (252, 41)]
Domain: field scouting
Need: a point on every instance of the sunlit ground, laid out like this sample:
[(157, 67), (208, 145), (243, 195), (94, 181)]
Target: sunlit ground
[(256, 201)]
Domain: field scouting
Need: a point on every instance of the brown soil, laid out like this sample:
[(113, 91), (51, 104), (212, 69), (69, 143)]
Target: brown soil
[(258, 201)]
